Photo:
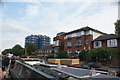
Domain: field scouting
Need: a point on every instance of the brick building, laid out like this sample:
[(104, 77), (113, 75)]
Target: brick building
[(44, 51), (85, 38), (107, 41), (58, 42), (80, 39), (76, 40)]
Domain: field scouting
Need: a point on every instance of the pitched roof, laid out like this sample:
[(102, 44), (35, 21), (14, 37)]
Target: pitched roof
[(107, 36), (84, 29)]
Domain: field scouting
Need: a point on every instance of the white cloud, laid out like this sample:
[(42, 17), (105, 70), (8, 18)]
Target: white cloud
[(32, 11), (59, 0), (49, 21)]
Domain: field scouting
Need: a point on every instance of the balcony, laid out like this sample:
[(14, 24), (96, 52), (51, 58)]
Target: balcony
[(69, 46), (78, 37), (78, 45), (69, 38)]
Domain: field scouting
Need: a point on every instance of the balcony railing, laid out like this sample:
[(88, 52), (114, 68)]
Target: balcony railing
[(69, 46), (78, 45), (69, 38)]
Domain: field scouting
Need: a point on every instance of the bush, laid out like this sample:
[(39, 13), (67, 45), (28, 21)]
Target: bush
[(98, 55), (50, 56), (62, 54)]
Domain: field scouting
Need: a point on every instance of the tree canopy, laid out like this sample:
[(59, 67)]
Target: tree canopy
[(17, 50), (30, 48), (117, 27), (97, 55), (7, 51)]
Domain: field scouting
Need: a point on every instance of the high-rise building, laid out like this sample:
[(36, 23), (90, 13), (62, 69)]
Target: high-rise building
[(38, 40)]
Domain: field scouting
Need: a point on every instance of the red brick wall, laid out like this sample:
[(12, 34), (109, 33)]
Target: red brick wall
[(83, 45), (104, 44), (61, 46)]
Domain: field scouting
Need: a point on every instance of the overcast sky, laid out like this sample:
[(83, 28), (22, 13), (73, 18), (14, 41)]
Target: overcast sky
[(48, 17)]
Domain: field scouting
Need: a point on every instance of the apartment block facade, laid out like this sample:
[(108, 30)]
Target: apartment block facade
[(85, 38), (38, 40), (76, 40), (80, 39)]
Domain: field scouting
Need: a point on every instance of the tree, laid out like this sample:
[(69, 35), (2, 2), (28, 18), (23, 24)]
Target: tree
[(16, 49), (30, 48), (22, 52), (83, 55), (117, 27), (6, 51), (62, 54)]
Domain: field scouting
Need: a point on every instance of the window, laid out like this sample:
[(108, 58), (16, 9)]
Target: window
[(69, 51), (78, 34), (112, 43), (56, 50), (57, 43), (69, 44), (86, 41), (78, 42), (97, 44)]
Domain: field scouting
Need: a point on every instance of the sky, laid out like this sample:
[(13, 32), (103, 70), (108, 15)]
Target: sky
[(21, 18)]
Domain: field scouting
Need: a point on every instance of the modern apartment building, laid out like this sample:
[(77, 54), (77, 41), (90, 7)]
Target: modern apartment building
[(80, 39), (38, 40), (76, 40)]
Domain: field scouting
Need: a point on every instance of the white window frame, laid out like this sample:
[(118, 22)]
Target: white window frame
[(56, 43), (69, 43), (112, 43), (99, 46), (69, 51)]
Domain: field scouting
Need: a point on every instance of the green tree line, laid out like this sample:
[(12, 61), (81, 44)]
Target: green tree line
[(98, 55), (17, 50)]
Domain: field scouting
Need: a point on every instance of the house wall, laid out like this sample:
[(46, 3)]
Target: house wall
[(96, 34), (104, 44)]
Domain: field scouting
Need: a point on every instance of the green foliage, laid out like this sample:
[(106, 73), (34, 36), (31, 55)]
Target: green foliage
[(21, 52), (55, 55), (83, 55), (97, 55), (16, 49), (117, 27), (50, 56), (30, 48), (62, 54), (7, 51)]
